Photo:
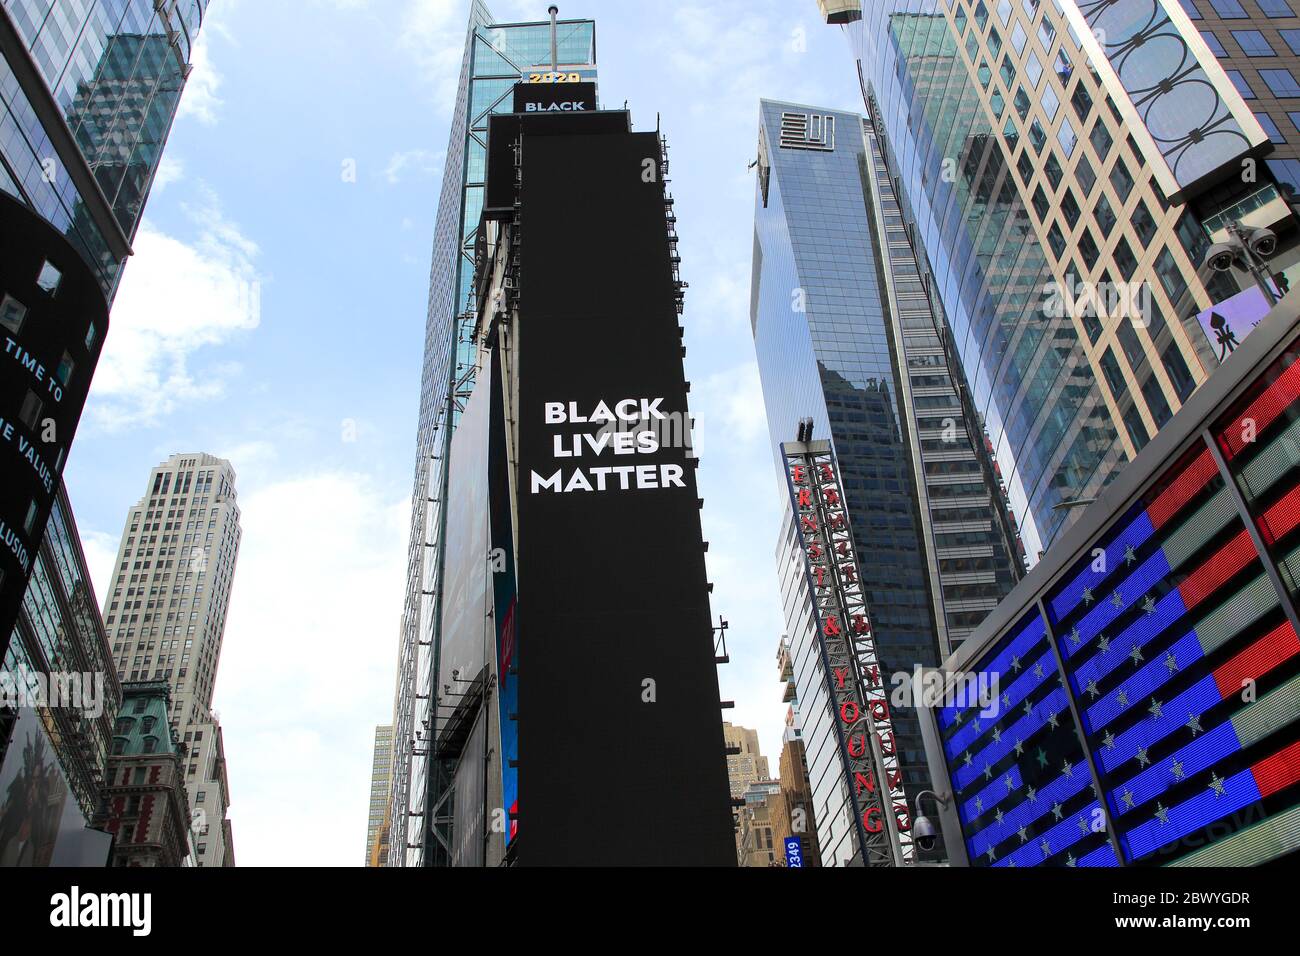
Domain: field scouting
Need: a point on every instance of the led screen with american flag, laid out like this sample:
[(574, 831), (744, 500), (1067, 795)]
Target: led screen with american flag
[(1180, 659)]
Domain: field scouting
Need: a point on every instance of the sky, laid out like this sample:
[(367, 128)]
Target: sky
[(273, 314)]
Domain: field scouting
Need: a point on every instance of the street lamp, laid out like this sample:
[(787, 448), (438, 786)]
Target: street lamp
[(1064, 506)]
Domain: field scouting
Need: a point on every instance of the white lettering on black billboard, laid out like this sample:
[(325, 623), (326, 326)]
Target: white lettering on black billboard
[(605, 444)]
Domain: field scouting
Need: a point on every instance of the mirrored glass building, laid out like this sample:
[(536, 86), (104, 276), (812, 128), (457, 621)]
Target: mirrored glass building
[(88, 93), (846, 336), (1066, 170)]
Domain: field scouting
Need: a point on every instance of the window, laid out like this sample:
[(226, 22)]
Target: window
[(1041, 205), (1170, 276), (1046, 33), (1156, 401), (49, 279), (1082, 102), (1275, 8), (91, 337), (1287, 174), (1143, 224), (1228, 9), (1281, 82), (1136, 429), (12, 314), (1034, 68), (1022, 104), (1179, 376), (1216, 47), (1274, 134), (1056, 240), (1292, 39), (64, 371), (1190, 9), (1025, 166), (1253, 43), (1051, 103), (30, 412), (1069, 207), (1105, 215), (1008, 71), (1240, 82), (1064, 67), (1120, 179), (1088, 249), (1067, 137), (1114, 377), (1052, 170), (1036, 136), (1101, 141), (1019, 39), (1125, 259), (1084, 174)]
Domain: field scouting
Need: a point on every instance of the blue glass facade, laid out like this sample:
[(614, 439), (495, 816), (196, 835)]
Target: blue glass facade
[(1028, 372), (115, 70), (497, 56), (844, 336), (60, 631), (1026, 167)]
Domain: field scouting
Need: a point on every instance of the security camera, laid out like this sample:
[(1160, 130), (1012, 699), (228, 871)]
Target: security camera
[(1262, 242), (1221, 257), (924, 834)]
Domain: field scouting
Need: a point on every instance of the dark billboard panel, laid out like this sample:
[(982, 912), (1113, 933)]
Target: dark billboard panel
[(572, 96), (621, 746), (53, 318)]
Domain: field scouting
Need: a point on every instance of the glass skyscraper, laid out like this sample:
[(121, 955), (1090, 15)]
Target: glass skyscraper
[(91, 85), (845, 335), (497, 56), (88, 93), (1098, 148)]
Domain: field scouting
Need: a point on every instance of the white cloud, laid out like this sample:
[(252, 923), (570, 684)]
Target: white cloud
[(421, 162), (176, 297), (170, 170), (734, 399), (308, 663), (200, 98), (101, 554), (433, 33)]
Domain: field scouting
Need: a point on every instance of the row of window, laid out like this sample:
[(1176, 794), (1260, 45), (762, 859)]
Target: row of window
[(1233, 10)]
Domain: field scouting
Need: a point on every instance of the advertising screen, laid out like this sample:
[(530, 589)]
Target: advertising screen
[(466, 606), (621, 747), (1176, 632)]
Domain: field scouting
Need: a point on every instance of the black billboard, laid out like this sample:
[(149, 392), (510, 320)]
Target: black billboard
[(622, 758), (53, 318), (577, 97)]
